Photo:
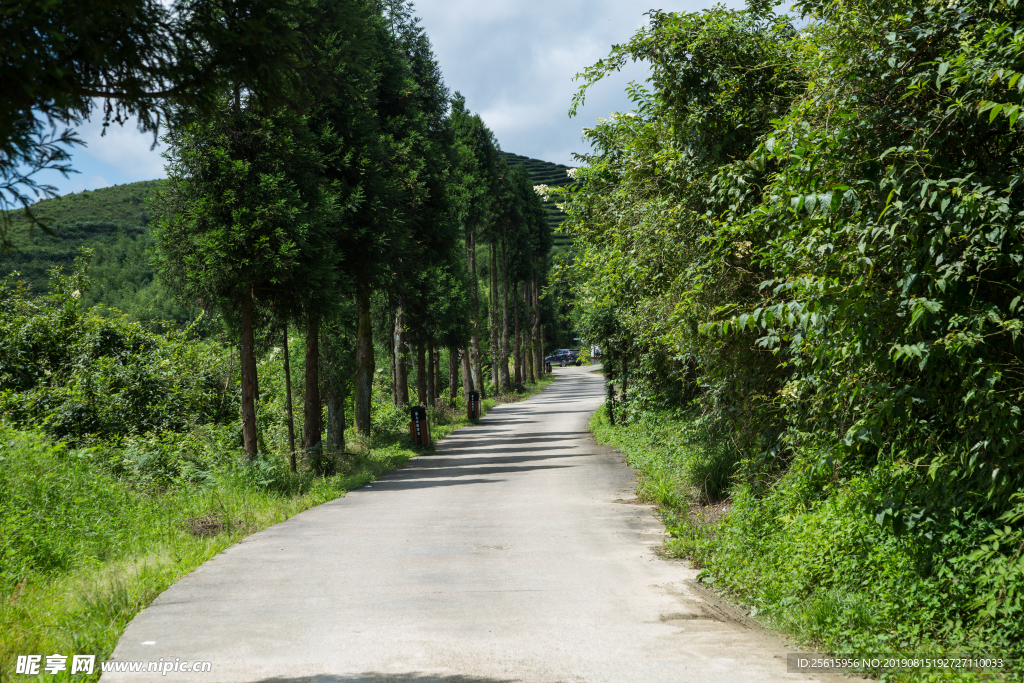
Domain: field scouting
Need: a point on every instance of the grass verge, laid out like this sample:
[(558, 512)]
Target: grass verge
[(84, 547), (808, 557)]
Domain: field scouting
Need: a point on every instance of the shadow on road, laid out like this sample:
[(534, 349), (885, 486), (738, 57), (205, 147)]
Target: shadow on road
[(497, 448), (403, 485), (465, 461), (374, 677), (470, 444), (438, 472), (458, 439)]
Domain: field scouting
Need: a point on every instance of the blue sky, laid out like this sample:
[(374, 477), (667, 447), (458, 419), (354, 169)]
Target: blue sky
[(514, 60)]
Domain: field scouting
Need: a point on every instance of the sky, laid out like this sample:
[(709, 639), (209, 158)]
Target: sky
[(513, 60)]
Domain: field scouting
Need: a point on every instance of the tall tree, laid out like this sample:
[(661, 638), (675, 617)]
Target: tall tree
[(241, 221), (138, 58), (475, 175)]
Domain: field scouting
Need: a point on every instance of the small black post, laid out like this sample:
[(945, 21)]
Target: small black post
[(419, 429), (473, 405)]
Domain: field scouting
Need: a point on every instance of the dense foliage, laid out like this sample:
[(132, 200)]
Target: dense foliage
[(75, 373), (813, 240)]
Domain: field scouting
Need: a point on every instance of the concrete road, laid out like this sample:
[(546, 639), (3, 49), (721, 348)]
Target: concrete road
[(516, 553)]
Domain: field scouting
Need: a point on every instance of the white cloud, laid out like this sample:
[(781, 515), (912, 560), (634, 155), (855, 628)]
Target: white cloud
[(515, 61), (123, 147)]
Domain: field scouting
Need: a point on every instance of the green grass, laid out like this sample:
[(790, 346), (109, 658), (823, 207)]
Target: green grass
[(82, 551), (811, 560)]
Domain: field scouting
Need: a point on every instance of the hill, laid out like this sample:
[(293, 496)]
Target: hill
[(546, 173), (114, 223), (117, 204)]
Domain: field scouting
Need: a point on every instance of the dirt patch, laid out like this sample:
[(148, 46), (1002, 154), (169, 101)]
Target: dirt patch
[(210, 525), (709, 515), (682, 616), (713, 606)]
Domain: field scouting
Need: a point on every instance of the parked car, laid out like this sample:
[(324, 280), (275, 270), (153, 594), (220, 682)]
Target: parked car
[(564, 357)]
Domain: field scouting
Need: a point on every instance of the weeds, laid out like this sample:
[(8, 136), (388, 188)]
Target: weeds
[(810, 558), (90, 536)]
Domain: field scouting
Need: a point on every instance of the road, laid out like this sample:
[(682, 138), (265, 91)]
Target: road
[(517, 552)]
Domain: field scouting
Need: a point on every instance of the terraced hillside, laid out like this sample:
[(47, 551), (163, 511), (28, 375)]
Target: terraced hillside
[(114, 223), (546, 173)]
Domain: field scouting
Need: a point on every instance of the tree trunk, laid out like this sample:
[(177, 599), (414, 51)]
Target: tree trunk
[(474, 311), (517, 351), (493, 318), (421, 373), (467, 373), (336, 423), (410, 370), (288, 401), (625, 379), (311, 427), (432, 383), (538, 346), (364, 361), (542, 341), (528, 357), (504, 320), (453, 375), (394, 366), (248, 360), (401, 360), (608, 367), (437, 374)]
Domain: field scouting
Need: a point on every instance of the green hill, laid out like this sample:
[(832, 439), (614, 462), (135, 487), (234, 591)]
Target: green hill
[(114, 223), (117, 204), (546, 173)]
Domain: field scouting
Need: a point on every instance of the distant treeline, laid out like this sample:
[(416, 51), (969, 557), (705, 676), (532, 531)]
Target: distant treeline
[(368, 210)]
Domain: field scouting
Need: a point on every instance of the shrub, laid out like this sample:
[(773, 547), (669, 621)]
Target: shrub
[(75, 373)]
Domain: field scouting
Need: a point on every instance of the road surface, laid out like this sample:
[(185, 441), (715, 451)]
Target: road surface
[(517, 552)]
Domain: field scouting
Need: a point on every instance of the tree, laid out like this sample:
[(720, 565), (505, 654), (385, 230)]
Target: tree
[(242, 222), (413, 107), (143, 58), (528, 239), (475, 176)]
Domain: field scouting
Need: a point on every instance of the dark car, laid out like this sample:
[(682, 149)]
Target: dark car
[(564, 357)]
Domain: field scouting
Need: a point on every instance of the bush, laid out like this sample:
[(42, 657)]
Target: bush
[(75, 373), (818, 555)]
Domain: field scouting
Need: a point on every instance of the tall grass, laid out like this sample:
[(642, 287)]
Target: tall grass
[(83, 551), (89, 536), (817, 564)]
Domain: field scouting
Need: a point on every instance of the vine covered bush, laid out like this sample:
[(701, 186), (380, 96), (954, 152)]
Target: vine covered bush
[(813, 239), (78, 374)]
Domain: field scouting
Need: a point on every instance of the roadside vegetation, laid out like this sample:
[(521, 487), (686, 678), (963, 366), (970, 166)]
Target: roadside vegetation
[(124, 470), (801, 256), (184, 362)]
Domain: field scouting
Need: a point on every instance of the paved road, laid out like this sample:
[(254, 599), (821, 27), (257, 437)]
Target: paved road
[(513, 554)]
